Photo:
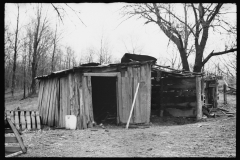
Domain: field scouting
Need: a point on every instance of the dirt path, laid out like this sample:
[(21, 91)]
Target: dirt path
[(213, 137)]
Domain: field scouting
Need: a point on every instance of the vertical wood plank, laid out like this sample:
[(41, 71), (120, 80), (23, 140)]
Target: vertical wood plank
[(129, 91), (54, 103), (57, 104), (84, 113), (33, 120), (44, 99), (198, 95), (148, 79), (38, 122), (23, 121), (119, 97), (90, 102), (80, 116), (40, 94), (139, 111), (50, 103), (143, 95), (60, 103), (17, 120), (123, 119), (12, 116), (70, 77), (46, 105), (28, 118), (8, 114), (54, 95)]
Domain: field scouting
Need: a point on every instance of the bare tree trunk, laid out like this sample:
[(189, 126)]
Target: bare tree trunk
[(15, 55), (34, 62), (54, 50)]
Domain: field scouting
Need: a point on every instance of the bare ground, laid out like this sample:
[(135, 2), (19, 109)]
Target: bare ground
[(166, 137)]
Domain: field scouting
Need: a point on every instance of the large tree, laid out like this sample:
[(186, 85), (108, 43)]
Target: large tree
[(189, 31), (15, 54)]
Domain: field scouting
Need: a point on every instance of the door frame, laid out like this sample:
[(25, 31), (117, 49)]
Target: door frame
[(118, 85)]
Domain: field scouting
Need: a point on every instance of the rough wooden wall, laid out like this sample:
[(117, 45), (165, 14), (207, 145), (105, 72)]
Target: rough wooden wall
[(72, 95), (129, 80), (179, 96)]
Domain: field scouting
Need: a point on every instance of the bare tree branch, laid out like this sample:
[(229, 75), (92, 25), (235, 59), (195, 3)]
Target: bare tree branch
[(217, 53)]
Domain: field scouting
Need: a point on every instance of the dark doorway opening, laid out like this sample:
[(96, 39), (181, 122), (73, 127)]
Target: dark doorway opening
[(104, 99)]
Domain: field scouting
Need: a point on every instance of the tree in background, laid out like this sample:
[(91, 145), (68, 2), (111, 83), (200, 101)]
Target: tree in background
[(15, 53), (185, 33), (104, 55)]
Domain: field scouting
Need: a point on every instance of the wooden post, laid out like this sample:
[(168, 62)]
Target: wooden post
[(198, 95), (161, 98), (224, 94), (132, 106)]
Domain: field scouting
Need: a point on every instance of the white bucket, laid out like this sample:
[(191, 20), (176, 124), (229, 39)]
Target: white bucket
[(71, 121)]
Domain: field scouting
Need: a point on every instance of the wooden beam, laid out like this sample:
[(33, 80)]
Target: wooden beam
[(110, 74), (198, 95)]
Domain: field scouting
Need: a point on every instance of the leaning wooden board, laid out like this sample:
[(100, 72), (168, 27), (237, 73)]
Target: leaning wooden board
[(9, 149)]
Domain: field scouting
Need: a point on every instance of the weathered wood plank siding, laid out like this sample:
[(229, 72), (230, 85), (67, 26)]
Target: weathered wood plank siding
[(129, 80), (179, 96), (71, 94)]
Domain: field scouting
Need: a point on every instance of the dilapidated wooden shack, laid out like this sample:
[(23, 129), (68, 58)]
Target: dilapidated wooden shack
[(92, 92), (176, 92)]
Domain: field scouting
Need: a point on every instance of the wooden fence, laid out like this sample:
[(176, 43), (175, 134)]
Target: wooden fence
[(25, 119)]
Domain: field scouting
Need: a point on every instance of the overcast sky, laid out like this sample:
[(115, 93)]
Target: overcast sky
[(103, 20)]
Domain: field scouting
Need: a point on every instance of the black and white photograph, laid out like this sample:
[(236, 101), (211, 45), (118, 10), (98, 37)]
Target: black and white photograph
[(120, 79)]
